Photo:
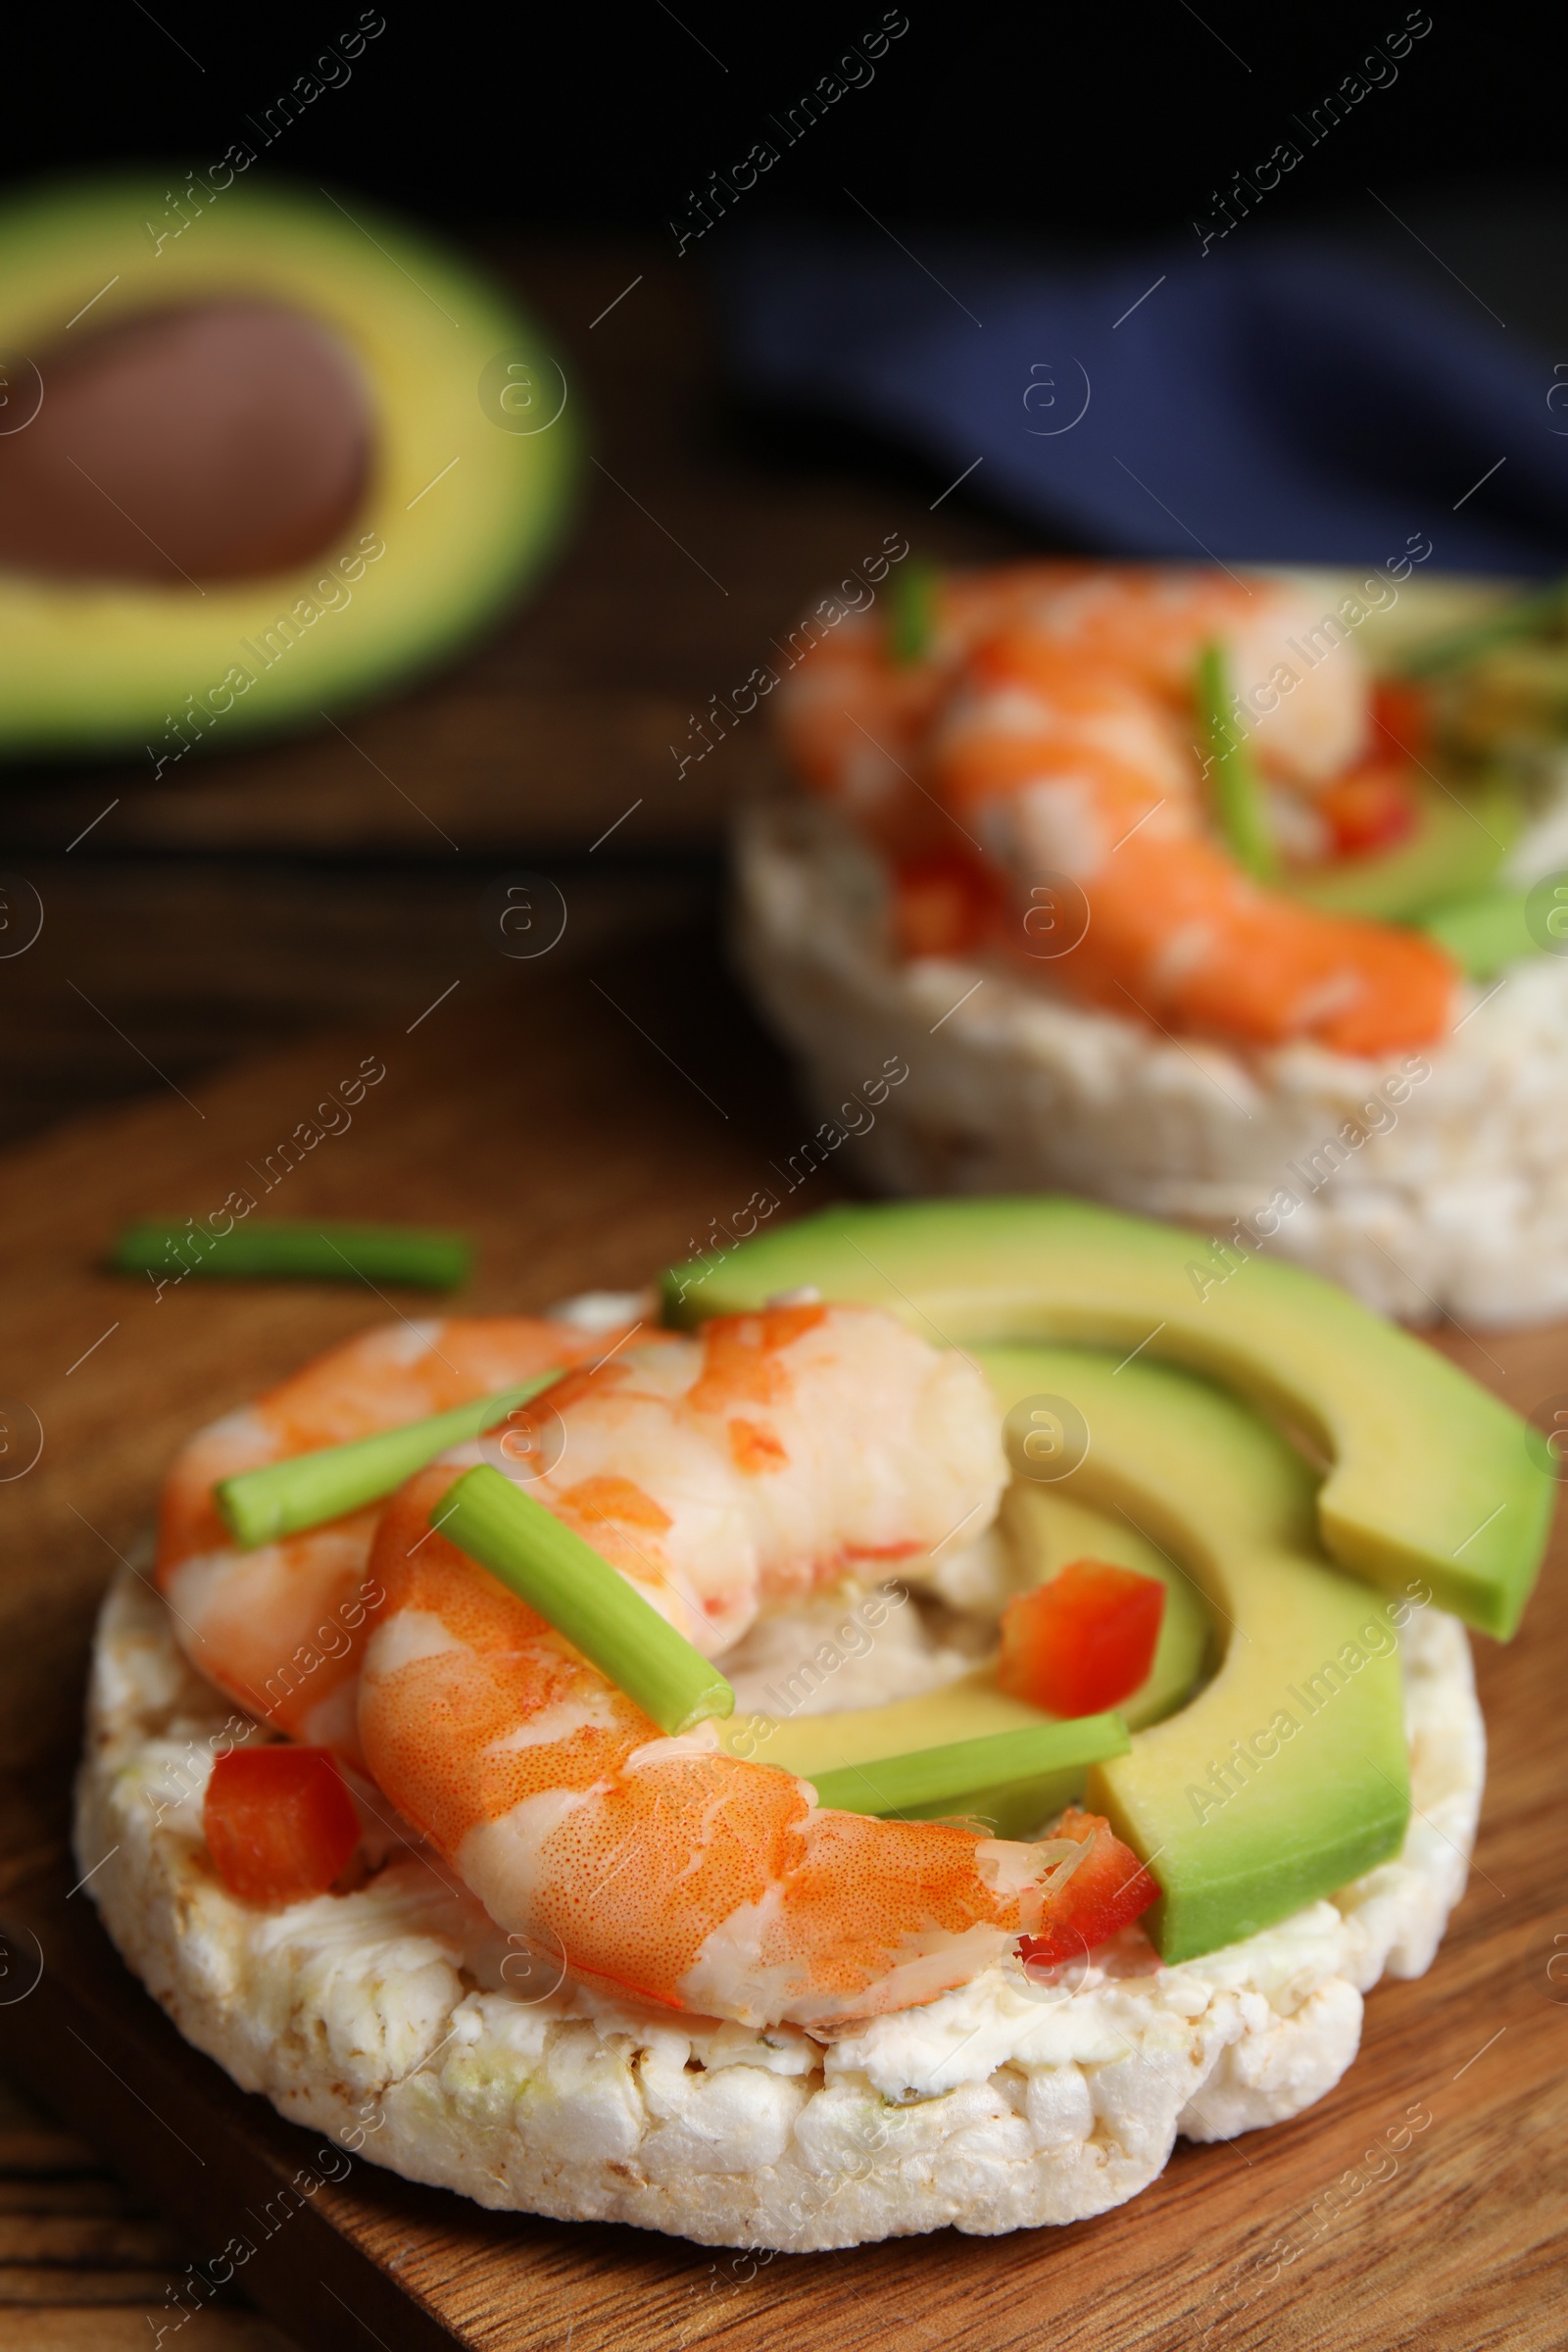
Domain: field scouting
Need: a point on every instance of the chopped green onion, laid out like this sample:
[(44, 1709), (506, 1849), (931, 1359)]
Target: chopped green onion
[(1235, 788), (933, 1781), (913, 613), (317, 1250), (1549, 606), (261, 1507), (582, 1596)]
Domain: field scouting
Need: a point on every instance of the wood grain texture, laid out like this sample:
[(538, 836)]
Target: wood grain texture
[(249, 899), (582, 1149), (691, 557), (84, 2263)]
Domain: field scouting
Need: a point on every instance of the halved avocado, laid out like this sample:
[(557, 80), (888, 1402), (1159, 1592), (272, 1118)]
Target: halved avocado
[(1459, 841), (1430, 1475), (260, 453)]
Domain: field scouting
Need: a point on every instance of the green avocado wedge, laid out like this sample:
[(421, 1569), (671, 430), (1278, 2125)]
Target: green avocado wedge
[(1286, 1776), (1459, 841), (1041, 1529), (1047, 1525), (1486, 933), (1430, 1477)]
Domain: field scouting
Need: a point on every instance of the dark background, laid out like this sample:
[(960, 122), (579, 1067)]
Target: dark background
[(1087, 121), (263, 891), (264, 894)]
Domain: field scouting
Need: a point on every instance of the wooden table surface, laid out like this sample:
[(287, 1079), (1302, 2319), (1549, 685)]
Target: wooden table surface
[(583, 1117), (246, 901), (589, 1158)]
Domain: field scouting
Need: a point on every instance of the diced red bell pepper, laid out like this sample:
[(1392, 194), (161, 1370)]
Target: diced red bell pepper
[(1106, 1890), (1369, 809), (939, 905), (1401, 715), (1084, 1642), (280, 1822)]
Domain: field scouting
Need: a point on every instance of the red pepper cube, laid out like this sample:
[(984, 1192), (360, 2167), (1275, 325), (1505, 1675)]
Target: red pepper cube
[(1402, 715), (280, 1822), (1105, 1893), (1370, 809), (939, 905), (1084, 1642)]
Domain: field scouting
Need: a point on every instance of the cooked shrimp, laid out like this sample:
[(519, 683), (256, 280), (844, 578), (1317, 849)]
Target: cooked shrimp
[(279, 1627), (853, 717), (770, 1453), (1056, 732), (661, 1866), (1148, 624), (1075, 766)]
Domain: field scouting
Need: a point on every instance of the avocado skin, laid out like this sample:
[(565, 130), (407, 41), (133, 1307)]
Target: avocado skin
[(1432, 1478), (1234, 1845)]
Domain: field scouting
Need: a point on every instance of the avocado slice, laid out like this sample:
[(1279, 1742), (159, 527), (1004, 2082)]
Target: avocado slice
[(1045, 1527), (1431, 1477), (1486, 932), (466, 481), (1236, 1836), (1459, 842), (1286, 1776), (1044, 1530)]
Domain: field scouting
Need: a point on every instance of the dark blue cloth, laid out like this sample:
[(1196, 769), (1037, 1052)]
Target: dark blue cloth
[(1281, 401)]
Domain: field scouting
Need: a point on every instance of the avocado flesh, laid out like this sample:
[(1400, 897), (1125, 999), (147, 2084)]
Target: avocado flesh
[(1043, 1530), (1484, 933), (1459, 841), (1431, 1478), (103, 665), (1234, 1845)]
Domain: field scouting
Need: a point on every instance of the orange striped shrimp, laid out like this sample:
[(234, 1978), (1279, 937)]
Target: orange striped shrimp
[(853, 717), (279, 1627), (1055, 728), (1072, 763), (662, 1867), (768, 1454)]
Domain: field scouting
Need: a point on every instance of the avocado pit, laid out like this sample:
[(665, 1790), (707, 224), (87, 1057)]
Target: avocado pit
[(217, 442)]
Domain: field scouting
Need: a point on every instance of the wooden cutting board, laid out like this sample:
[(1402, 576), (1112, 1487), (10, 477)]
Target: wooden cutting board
[(585, 1127)]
